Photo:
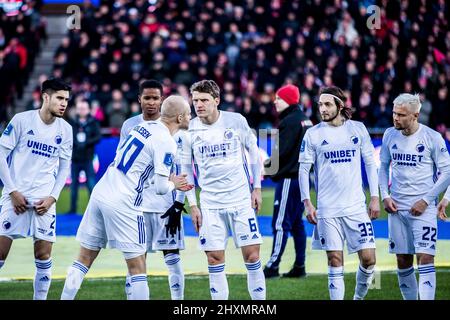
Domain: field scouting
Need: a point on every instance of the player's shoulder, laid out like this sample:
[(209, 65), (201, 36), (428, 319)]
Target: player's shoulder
[(389, 133), (135, 120), (233, 118), (358, 125), (194, 123), (430, 133), (315, 128), (132, 122), (180, 134), (65, 125), (25, 116)]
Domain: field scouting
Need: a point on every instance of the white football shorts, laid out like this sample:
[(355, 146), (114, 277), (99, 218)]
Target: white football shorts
[(28, 224), (103, 224), (331, 233), (410, 234), (217, 224), (156, 233)]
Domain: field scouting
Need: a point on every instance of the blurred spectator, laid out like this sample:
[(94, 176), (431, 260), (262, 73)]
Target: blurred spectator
[(117, 109), (383, 113), (22, 29), (425, 111), (86, 134), (255, 44)]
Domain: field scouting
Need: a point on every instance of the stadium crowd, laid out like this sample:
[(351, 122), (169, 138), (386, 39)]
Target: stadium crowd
[(22, 31), (250, 48)]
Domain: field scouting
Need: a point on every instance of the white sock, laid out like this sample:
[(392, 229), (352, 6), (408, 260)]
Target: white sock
[(336, 285), (75, 276), (256, 282), (176, 276), (139, 287), (427, 281), (407, 283), (42, 278), (363, 280), (218, 285), (2, 262), (128, 286)]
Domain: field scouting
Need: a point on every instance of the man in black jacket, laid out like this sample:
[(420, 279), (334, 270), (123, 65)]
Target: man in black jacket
[(288, 208), (86, 134)]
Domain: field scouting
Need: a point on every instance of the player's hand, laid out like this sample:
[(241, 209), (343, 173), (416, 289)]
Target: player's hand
[(173, 224), (256, 199), (181, 182), (441, 209), (311, 213), (389, 205), (19, 202), (374, 208), (196, 217), (418, 208), (43, 205)]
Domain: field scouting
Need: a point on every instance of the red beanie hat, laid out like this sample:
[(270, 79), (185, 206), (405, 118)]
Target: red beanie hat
[(289, 93)]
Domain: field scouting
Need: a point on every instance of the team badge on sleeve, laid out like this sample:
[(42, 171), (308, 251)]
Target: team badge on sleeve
[(8, 129), (302, 147), (168, 159)]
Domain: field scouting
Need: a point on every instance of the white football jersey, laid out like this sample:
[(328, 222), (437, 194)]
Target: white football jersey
[(336, 154), (415, 161), (35, 151), (148, 149), (219, 160), (153, 202), (128, 125)]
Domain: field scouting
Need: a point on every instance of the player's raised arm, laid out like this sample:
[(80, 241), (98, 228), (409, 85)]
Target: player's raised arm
[(367, 153)]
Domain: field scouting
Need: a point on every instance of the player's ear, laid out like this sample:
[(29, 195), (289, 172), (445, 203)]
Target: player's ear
[(45, 97), (139, 98), (217, 101)]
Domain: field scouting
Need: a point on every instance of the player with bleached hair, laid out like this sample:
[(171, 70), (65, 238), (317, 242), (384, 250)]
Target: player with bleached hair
[(114, 213), (228, 201), (335, 147), (39, 146), (416, 153)]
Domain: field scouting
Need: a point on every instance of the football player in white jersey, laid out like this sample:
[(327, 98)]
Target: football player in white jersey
[(114, 212), (335, 147), (443, 205), (415, 153), (39, 144), (154, 205), (228, 201)]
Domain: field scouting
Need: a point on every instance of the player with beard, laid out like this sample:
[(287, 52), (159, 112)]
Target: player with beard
[(335, 147), (39, 146), (416, 154)]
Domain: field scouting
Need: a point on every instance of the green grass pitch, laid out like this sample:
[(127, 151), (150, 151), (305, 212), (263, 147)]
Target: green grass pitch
[(106, 279)]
